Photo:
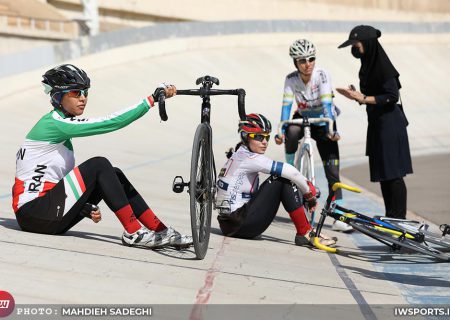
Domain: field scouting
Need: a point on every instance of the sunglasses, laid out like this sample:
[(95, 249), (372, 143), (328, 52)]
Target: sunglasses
[(76, 93), (304, 60), (259, 136)]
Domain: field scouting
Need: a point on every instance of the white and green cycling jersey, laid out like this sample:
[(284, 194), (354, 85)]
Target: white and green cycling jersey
[(46, 156)]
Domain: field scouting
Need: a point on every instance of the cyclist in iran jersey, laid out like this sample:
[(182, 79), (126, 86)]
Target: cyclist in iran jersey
[(246, 209), (310, 88), (51, 194)]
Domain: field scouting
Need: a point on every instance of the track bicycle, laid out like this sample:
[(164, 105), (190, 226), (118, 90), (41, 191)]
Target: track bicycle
[(202, 184), (394, 235), (304, 157)]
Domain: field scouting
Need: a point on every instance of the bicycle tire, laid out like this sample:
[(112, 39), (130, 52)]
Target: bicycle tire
[(200, 190), (414, 227), (387, 238), (304, 165)]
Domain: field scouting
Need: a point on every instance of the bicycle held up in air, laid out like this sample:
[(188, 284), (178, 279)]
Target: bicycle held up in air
[(395, 233), (202, 184), (304, 157)]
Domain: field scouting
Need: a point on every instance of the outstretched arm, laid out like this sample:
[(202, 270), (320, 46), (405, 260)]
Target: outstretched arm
[(67, 128)]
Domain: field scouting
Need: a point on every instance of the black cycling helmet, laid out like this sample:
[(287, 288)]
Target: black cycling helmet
[(254, 123), (65, 77)]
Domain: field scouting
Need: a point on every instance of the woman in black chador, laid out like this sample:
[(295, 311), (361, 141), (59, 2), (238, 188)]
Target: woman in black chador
[(387, 140)]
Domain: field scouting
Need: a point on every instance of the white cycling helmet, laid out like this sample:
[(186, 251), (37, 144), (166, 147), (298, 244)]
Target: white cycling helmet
[(302, 48)]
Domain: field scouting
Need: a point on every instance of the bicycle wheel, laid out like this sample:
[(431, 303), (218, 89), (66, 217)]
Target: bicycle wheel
[(304, 165), (396, 242), (416, 227), (200, 190)]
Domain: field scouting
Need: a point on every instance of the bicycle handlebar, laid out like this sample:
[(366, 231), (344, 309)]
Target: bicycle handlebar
[(162, 106), (318, 245), (340, 185), (310, 120), (204, 92)]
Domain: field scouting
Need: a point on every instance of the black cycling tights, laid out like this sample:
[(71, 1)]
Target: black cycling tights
[(105, 182), (102, 182), (253, 218), (328, 150)]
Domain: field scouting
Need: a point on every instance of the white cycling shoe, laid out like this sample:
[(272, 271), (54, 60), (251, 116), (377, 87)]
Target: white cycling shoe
[(173, 238), (149, 239), (141, 238), (341, 227)]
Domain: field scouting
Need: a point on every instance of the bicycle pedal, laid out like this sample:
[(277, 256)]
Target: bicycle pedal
[(178, 184)]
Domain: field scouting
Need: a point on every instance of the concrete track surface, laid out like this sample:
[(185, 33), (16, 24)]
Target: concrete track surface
[(88, 265)]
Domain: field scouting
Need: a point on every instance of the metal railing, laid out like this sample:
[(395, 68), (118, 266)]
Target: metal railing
[(38, 28)]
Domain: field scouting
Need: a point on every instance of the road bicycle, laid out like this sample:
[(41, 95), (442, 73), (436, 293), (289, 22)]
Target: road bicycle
[(202, 184), (304, 157), (391, 232)]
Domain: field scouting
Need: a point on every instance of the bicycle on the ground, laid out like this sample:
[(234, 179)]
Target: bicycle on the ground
[(391, 232), (304, 157), (202, 184)]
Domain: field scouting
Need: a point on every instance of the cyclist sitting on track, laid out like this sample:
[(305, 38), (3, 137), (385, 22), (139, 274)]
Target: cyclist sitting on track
[(51, 194), (311, 88), (246, 209)]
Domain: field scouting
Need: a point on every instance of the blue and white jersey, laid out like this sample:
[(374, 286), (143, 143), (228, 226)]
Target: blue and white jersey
[(313, 99), (239, 178)]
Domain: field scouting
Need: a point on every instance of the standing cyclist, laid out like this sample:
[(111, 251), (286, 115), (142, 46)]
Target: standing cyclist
[(246, 209), (311, 89), (51, 194)]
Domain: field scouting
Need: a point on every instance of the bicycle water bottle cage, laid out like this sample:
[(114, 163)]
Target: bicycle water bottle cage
[(207, 81), (178, 184)]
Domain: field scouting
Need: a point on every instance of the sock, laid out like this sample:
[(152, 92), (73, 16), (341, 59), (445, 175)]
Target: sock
[(128, 219), (300, 221), (290, 157), (151, 221)]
